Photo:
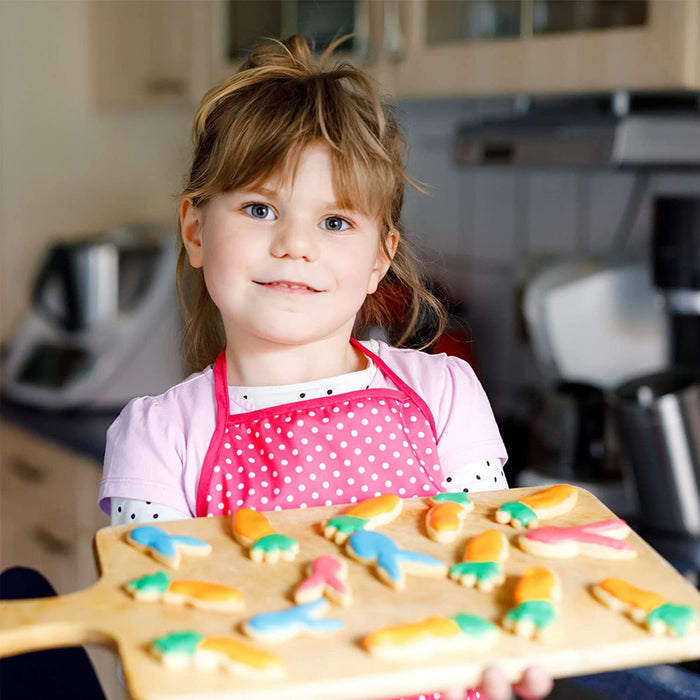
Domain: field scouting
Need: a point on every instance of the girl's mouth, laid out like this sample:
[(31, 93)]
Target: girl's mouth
[(284, 285)]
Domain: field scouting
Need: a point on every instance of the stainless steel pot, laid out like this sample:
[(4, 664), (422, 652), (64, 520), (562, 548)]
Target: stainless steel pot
[(658, 423)]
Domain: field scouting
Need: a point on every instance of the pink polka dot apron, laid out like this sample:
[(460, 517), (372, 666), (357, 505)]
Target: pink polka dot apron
[(326, 451)]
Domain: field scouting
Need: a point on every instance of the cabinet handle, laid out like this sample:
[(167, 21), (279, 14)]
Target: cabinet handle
[(50, 543), (165, 86), (27, 472), (394, 42)]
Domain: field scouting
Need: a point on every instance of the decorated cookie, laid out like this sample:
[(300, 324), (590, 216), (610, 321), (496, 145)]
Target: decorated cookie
[(366, 515), (543, 505), (198, 594), (536, 595), (181, 650), (327, 576), (602, 540), (253, 530), (443, 521), (482, 564), (165, 548), (648, 609), (435, 635), (281, 625), (392, 563)]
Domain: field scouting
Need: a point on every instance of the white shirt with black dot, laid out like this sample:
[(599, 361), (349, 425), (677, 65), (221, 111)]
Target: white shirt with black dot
[(484, 475)]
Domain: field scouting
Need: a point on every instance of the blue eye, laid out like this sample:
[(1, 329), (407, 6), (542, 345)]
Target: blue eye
[(335, 223), (260, 211)]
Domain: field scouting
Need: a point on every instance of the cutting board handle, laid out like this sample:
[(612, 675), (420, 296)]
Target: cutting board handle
[(44, 623)]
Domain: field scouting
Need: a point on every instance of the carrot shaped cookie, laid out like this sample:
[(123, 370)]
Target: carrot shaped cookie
[(366, 515), (181, 650), (603, 540), (253, 530), (165, 548), (197, 594), (443, 521), (328, 575), (482, 564), (392, 563), (648, 609), (535, 596), (543, 505), (434, 635), (281, 625)]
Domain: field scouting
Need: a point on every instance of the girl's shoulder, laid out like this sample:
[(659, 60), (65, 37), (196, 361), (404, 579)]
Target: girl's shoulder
[(174, 404), (416, 366)]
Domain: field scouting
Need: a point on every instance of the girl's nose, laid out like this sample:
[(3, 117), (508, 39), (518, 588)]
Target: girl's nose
[(295, 239)]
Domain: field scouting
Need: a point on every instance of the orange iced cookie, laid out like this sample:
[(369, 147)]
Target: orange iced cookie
[(543, 505), (180, 650), (434, 635), (253, 530), (443, 522), (646, 608), (482, 564), (535, 597), (366, 515), (197, 594)]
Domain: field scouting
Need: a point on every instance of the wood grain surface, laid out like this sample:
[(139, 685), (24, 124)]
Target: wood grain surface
[(589, 637)]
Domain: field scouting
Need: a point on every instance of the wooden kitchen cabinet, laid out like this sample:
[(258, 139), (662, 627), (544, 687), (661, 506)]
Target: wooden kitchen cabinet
[(166, 52), (236, 25), (510, 47), (48, 519), (147, 53)]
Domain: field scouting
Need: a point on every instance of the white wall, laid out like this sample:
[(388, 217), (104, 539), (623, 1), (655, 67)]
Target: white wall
[(66, 168)]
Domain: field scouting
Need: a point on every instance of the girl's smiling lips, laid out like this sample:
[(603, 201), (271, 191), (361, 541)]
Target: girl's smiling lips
[(288, 286)]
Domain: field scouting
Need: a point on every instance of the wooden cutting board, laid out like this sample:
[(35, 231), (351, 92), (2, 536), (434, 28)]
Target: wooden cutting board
[(589, 638)]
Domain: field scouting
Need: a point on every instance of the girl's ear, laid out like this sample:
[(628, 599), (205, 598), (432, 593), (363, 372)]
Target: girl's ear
[(191, 231), (384, 258)]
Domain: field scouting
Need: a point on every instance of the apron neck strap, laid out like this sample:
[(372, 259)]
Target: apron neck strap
[(221, 382)]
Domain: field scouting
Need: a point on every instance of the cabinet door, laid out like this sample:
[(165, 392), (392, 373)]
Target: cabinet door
[(239, 25), (41, 539), (490, 47), (142, 52)]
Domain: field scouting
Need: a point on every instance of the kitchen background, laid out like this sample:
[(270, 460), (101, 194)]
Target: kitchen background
[(96, 100)]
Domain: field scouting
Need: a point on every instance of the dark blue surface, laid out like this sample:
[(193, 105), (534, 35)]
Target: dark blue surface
[(81, 431), (663, 682)]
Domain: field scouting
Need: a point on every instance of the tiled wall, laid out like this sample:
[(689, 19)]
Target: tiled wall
[(485, 229)]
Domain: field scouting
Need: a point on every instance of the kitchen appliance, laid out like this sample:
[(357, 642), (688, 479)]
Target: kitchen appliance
[(103, 326), (620, 129), (658, 416), (592, 325), (658, 420), (675, 253)]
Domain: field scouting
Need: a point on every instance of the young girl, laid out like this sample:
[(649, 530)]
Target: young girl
[(290, 228)]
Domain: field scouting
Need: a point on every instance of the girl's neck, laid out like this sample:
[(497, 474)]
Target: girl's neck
[(262, 363)]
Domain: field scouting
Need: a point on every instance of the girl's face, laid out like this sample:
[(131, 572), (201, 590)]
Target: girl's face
[(283, 262)]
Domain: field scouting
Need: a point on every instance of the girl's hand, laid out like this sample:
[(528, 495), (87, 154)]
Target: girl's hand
[(535, 684)]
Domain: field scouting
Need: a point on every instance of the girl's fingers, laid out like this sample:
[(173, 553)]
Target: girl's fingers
[(494, 685), (535, 684)]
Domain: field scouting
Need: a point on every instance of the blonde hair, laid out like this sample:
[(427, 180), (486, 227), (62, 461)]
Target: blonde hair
[(255, 126)]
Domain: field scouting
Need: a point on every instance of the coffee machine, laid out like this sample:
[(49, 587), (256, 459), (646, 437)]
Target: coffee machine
[(657, 416)]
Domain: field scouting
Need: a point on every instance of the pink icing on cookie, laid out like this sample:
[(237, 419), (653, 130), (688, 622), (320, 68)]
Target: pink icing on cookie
[(327, 577), (587, 534)]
